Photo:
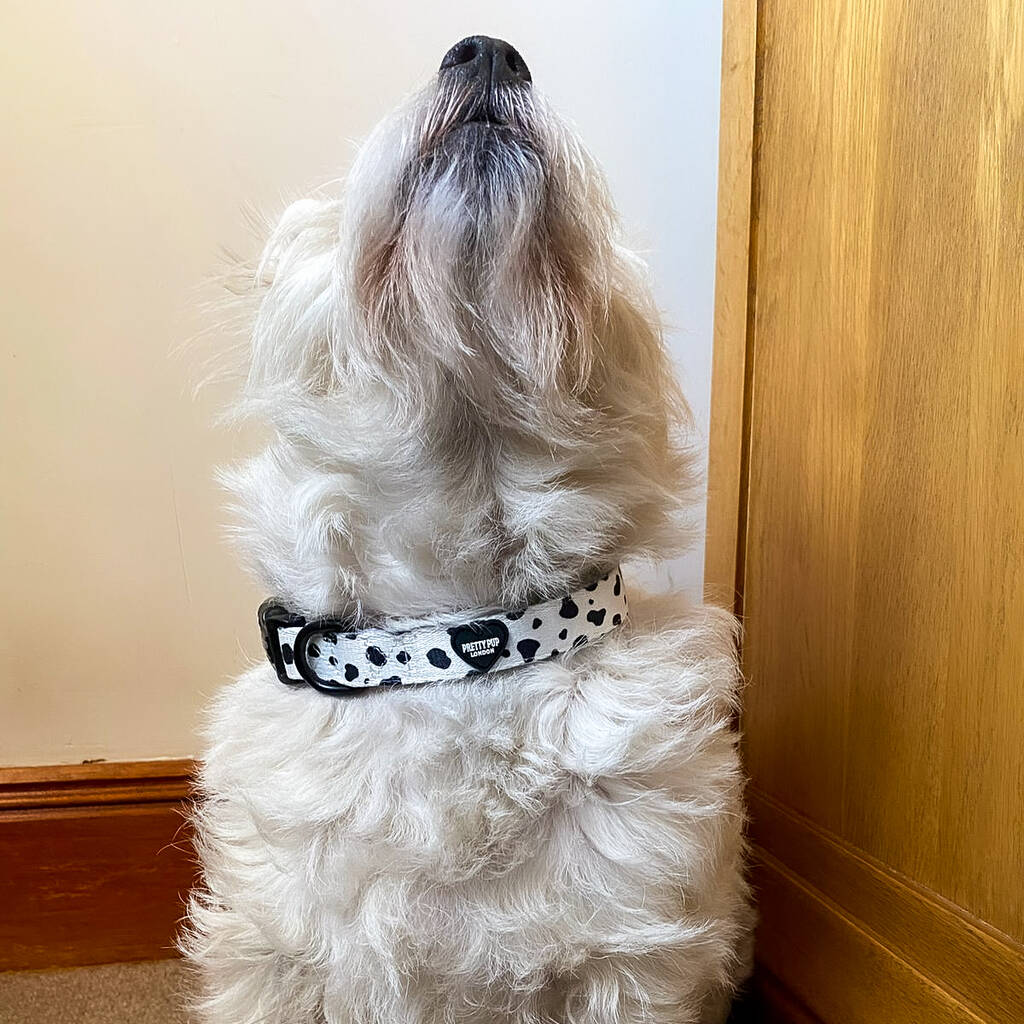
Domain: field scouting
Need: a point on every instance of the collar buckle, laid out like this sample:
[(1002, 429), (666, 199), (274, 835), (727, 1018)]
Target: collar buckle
[(273, 616)]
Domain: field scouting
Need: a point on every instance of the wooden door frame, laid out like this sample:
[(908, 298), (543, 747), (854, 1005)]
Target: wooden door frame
[(733, 295)]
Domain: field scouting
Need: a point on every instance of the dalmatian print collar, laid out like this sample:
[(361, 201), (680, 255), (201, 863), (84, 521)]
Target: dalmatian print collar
[(328, 656)]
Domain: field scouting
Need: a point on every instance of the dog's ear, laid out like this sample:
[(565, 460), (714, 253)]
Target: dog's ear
[(292, 337), (634, 360)]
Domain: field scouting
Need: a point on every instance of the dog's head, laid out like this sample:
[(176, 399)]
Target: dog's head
[(464, 354), (477, 215)]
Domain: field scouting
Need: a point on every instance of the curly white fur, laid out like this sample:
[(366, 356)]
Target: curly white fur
[(472, 409)]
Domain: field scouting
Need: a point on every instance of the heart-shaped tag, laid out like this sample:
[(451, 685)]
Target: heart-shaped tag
[(479, 643)]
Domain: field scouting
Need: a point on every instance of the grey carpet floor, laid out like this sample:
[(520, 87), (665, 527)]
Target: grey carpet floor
[(144, 993)]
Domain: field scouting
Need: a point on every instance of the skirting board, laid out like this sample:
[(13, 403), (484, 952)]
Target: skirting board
[(912, 955), (95, 862)]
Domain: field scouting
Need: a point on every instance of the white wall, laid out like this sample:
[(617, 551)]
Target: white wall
[(135, 133)]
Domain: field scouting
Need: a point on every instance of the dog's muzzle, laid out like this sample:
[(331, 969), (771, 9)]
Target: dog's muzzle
[(483, 66), (329, 656)]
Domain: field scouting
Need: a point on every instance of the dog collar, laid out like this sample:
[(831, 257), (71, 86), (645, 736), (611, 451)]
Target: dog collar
[(329, 656)]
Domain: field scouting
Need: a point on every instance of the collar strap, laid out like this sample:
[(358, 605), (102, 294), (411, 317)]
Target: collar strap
[(327, 655)]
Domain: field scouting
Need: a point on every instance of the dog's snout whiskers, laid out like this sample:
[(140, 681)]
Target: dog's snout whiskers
[(458, 104), (445, 113)]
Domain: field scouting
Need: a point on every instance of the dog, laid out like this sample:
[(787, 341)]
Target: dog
[(472, 783)]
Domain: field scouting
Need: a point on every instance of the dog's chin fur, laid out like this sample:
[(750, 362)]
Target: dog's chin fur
[(473, 408)]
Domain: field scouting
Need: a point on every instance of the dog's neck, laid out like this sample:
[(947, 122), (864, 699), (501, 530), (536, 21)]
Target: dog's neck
[(388, 519), (421, 468)]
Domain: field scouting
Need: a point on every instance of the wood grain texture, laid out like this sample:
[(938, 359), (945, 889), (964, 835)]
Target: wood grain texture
[(884, 581), (725, 440), (88, 875), (101, 782), (835, 968), (977, 966)]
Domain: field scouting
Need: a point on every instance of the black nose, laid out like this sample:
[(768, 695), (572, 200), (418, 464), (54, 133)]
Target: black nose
[(492, 61)]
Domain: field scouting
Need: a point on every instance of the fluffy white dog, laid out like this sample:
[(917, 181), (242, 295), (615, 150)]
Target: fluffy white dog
[(475, 422)]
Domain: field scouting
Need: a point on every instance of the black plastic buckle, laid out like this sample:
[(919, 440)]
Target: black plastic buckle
[(273, 616)]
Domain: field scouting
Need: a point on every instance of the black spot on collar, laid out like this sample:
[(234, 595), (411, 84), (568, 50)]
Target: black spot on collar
[(438, 658), (528, 649)]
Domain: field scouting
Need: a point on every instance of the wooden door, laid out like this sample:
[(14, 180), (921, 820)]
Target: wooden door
[(876, 491)]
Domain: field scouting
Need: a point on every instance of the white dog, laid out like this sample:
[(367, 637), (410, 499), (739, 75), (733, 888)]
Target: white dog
[(475, 422)]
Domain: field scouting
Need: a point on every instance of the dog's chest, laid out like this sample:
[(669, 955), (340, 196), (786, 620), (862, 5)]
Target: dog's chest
[(447, 782), (493, 835)]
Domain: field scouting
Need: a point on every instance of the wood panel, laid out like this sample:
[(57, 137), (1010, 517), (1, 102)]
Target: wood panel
[(94, 862), (976, 966), (725, 441), (834, 967), (884, 582)]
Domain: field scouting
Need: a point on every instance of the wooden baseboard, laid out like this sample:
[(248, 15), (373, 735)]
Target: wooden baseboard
[(911, 955), (95, 862)]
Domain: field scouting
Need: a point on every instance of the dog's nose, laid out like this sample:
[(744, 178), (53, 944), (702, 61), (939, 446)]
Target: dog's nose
[(492, 61)]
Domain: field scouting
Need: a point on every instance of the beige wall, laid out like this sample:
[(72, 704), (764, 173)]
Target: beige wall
[(134, 134)]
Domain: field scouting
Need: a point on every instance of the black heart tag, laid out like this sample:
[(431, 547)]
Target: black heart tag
[(480, 643)]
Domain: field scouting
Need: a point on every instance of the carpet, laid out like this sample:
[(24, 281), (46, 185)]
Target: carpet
[(141, 993)]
